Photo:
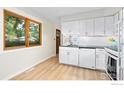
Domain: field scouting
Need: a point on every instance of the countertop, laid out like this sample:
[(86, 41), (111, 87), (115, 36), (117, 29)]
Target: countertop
[(90, 47), (71, 46)]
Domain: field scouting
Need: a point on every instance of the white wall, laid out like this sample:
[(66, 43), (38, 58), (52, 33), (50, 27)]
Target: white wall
[(15, 61)]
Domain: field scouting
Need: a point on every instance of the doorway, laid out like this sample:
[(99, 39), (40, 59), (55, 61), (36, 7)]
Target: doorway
[(58, 39)]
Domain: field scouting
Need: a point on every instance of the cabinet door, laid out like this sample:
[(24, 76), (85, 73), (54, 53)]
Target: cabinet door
[(109, 25), (100, 59), (73, 57), (90, 27), (82, 27), (116, 17), (74, 27), (68, 55), (63, 56), (116, 24), (71, 27), (65, 27), (120, 15), (87, 58), (99, 26)]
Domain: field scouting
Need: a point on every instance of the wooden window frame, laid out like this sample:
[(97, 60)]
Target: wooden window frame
[(40, 34), (5, 13)]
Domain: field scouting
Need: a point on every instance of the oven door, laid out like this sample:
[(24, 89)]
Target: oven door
[(112, 66)]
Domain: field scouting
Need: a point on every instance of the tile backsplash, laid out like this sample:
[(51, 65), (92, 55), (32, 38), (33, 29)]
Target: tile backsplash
[(88, 41), (94, 41)]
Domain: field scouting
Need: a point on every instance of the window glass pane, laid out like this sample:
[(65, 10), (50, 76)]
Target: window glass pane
[(34, 33), (14, 31)]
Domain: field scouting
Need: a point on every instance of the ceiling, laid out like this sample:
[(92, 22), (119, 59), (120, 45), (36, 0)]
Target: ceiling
[(54, 14)]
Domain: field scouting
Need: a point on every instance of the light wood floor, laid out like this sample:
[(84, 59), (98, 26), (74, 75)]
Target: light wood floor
[(51, 69)]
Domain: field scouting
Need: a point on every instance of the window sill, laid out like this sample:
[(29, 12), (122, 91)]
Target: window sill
[(19, 48), (13, 48)]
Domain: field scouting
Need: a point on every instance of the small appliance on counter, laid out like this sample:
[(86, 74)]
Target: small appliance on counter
[(65, 41), (69, 40)]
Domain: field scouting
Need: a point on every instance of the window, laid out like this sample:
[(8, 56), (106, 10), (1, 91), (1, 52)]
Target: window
[(20, 31), (14, 31), (34, 33)]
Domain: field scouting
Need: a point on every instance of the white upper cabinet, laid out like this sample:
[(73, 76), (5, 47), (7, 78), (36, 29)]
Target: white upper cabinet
[(116, 24), (82, 30), (120, 15), (65, 27), (74, 27), (109, 25), (103, 26), (70, 27), (116, 18), (99, 26), (90, 27)]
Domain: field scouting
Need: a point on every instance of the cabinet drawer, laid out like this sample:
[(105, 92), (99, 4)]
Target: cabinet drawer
[(100, 50)]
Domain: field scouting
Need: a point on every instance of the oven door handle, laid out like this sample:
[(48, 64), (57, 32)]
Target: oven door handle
[(114, 57), (121, 76)]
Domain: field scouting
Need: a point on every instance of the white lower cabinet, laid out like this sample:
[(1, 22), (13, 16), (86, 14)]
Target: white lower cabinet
[(87, 58), (83, 57), (68, 55), (100, 59)]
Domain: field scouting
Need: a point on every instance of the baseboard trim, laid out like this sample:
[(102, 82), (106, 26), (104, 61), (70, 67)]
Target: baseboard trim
[(11, 76)]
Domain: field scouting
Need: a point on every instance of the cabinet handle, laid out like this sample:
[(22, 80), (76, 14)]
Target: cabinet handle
[(97, 56), (86, 33), (101, 50), (69, 31), (122, 74), (92, 66), (68, 53)]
